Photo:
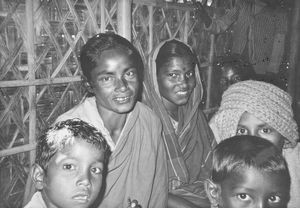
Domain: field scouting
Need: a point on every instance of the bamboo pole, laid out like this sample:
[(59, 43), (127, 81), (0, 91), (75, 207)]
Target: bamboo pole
[(186, 26), (124, 18), (29, 6), (150, 42), (102, 16), (294, 49), (210, 70), (36, 82), (16, 150)]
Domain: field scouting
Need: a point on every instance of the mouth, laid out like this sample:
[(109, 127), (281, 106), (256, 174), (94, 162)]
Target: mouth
[(122, 100), (81, 198), (182, 93)]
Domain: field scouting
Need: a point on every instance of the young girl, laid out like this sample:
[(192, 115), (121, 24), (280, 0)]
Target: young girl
[(137, 167), (264, 110), (173, 89), (248, 172)]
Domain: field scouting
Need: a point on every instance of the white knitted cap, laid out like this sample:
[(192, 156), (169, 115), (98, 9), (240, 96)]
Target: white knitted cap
[(263, 100)]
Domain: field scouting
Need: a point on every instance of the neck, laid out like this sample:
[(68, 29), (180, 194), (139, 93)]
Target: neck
[(113, 122)]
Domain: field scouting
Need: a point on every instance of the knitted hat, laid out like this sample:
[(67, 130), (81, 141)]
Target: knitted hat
[(263, 100)]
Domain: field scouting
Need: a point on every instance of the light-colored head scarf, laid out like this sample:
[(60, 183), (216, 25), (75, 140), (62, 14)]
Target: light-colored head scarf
[(263, 100)]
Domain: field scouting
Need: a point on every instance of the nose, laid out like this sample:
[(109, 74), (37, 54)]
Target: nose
[(84, 179), (121, 84), (182, 79), (253, 133), (262, 204)]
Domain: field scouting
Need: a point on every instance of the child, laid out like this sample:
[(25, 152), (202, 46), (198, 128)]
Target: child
[(264, 110), (173, 89), (248, 171), (71, 157), (137, 168), (232, 69)]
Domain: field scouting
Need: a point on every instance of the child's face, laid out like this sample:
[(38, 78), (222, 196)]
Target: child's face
[(250, 125), (74, 176), (176, 81), (115, 82), (229, 76), (251, 188)]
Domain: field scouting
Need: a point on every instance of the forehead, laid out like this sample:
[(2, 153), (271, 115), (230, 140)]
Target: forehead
[(257, 183), (184, 62), (80, 150), (249, 119)]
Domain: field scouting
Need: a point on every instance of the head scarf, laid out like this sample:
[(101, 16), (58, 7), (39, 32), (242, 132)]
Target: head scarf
[(265, 101)]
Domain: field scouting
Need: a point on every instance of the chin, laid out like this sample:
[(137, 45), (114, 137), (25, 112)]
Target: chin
[(125, 108)]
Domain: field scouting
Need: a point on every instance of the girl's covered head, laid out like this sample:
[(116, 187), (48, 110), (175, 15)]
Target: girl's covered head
[(248, 171), (266, 102), (174, 48), (175, 73)]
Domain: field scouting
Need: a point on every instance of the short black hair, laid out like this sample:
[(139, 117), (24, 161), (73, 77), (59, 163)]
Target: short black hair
[(63, 133), (240, 152)]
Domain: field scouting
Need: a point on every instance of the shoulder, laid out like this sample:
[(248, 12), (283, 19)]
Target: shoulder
[(80, 110), (146, 113), (36, 201)]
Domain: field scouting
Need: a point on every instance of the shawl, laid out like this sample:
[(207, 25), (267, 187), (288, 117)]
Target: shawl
[(137, 165), (188, 151)]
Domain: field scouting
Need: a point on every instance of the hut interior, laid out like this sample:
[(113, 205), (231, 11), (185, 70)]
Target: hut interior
[(40, 75)]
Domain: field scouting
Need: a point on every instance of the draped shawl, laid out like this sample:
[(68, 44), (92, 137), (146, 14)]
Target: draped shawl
[(189, 150)]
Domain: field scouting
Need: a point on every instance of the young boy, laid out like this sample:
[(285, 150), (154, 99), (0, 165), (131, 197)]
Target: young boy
[(248, 171), (137, 169), (68, 171), (261, 109)]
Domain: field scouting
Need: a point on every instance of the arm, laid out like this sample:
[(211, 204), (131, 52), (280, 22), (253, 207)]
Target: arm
[(179, 202), (160, 182)]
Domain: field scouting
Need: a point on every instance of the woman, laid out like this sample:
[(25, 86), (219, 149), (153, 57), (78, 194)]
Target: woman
[(173, 89)]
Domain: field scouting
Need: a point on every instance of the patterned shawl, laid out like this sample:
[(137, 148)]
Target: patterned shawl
[(188, 151)]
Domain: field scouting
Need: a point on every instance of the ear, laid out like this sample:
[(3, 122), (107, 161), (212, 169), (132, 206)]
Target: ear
[(213, 192), (87, 85), (38, 175)]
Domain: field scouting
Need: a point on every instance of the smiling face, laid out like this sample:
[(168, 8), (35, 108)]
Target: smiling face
[(176, 81), (74, 176), (250, 125), (251, 188), (115, 82)]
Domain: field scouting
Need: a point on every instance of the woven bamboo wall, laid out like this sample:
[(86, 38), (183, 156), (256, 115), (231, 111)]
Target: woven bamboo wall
[(40, 75)]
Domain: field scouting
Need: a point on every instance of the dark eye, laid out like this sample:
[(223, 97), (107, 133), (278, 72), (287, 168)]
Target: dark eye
[(266, 130), (274, 199), (96, 170), (69, 167), (241, 131), (105, 79), (173, 75), (130, 74), (243, 197), (190, 74)]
